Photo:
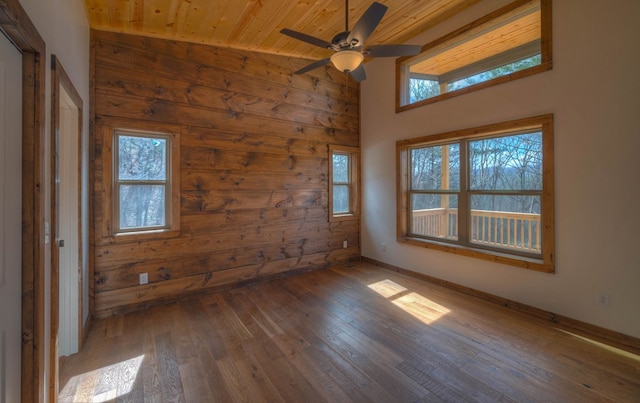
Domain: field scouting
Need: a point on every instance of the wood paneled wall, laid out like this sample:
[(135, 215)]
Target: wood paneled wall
[(253, 173)]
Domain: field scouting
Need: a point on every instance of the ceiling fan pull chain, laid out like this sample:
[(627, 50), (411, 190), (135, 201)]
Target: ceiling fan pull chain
[(346, 84)]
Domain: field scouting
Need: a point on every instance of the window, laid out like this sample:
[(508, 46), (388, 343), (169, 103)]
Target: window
[(485, 192), (145, 187), (343, 190), (512, 42)]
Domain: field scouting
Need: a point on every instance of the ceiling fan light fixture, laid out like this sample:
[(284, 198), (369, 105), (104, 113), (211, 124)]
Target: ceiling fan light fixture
[(347, 60)]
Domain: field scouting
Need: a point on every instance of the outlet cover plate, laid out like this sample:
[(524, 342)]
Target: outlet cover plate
[(603, 299)]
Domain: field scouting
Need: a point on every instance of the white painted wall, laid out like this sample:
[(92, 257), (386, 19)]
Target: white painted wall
[(64, 26), (594, 93), (10, 220)]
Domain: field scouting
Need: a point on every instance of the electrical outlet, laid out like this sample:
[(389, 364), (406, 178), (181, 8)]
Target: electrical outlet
[(383, 247), (603, 299), (344, 244), (144, 278)]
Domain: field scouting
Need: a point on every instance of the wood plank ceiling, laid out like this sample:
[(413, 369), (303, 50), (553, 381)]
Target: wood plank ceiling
[(517, 28), (255, 24)]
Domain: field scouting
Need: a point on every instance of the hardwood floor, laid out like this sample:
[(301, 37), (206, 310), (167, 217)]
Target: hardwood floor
[(344, 334)]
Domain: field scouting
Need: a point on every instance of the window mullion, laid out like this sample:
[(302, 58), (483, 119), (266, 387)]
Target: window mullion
[(409, 204), (464, 212), (116, 204), (505, 192), (142, 182)]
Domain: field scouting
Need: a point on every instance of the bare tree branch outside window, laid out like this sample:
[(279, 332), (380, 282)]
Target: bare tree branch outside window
[(142, 181)]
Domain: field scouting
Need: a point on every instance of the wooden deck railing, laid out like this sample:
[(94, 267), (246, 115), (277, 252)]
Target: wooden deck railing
[(518, 231)]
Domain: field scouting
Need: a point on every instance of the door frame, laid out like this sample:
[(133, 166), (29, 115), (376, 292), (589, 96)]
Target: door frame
[(59, 78), (15, 22)]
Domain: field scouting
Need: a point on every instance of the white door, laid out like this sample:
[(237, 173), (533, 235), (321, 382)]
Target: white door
[(69, 227), (10, 220)]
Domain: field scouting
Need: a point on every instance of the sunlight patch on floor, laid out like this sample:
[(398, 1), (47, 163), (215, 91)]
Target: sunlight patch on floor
[(104, 384), (420, 307), (387, 288), (604, 346)]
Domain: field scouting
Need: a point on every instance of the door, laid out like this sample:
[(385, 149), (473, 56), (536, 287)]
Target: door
[(10, 220), (66, 265), (68, 227)]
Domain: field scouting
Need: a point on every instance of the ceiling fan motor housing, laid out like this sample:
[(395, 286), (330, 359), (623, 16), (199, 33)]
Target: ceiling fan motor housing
[(339, 42)]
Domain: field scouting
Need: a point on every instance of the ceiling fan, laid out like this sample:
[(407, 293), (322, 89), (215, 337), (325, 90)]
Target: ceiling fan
[(349, 45)]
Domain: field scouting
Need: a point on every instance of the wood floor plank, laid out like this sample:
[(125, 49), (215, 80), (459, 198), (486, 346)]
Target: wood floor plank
[(339, 368), (405, 391), (314, 371), (196, 387), (202, 331), (251, 367), (268, 327), (342, 374), (185, 350), (239, 390), (422, 375), (343, 334), (512, 383), (211, 372), (357, 376), (151, 387), (290, 383), (170, 380), (385, 364)]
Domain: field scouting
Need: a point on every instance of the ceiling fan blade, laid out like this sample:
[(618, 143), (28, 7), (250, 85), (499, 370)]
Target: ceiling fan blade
[(306, 38), (359, 74), (313, 65), (367, 23), (392, 50)]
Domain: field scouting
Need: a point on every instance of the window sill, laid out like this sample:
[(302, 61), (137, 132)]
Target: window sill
[(542, 67), (493, 256), (343, 217), (125, 237)]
